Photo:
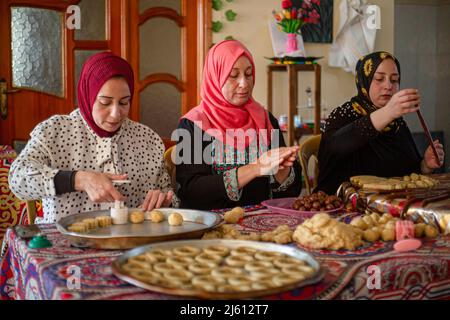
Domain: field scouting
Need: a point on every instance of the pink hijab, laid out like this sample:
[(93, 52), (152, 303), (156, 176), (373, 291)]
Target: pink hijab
[(98, 69), (214, 111)]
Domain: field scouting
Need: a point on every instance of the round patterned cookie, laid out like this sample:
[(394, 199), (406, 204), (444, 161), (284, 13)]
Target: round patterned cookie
[(186, 251)]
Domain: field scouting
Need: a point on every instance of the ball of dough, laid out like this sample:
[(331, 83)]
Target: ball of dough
[(137, 216), (267, 236), (369, 221), (430, 231), (283, 237), (359, 223), (175, 219), (375, 217), (281, 228), (388, 235), (156, 216), (239, 210), (371, 235), (419, 229), (232, 216)]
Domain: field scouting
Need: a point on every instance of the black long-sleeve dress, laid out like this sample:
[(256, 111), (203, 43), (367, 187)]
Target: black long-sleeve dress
[(350, 146), (208, 186)]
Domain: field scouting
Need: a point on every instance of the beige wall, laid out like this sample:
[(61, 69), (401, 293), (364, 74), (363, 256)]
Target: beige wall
[(251, 27)]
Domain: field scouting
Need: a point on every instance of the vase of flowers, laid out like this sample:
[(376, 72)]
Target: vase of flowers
[(290, 20)]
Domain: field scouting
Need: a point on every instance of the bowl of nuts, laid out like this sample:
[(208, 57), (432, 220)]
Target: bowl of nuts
[(306, 206)]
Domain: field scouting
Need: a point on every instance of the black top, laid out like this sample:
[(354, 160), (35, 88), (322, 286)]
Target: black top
[(351, 146), (199, 186)]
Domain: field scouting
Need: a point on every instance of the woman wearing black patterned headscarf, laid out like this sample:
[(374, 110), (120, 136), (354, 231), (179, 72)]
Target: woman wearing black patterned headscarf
[(367, 135)]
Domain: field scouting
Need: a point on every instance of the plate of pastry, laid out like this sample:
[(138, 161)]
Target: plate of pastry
[(126, 228), (306, 206), (218, 269)]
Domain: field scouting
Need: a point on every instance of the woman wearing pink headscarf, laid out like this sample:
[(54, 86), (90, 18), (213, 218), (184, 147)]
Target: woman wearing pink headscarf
[(230, 150), (71, 160)]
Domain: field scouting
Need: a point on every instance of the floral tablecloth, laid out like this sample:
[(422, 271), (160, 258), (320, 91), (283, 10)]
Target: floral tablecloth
[(45, 273)]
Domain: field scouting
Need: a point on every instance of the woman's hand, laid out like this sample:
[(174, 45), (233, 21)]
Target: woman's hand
[(98, 186), (272, 161), (403, 102), (285, 168), (157, 199), (429, 159)]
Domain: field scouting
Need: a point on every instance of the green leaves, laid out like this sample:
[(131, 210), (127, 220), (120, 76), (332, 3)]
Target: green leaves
[(217, 26), (217, 4), (230, 15)]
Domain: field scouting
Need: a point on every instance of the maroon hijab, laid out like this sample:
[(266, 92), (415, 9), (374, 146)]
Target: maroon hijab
[(98, 69)]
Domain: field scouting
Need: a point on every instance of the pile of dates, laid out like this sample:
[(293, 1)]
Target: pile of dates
[(319, 201)]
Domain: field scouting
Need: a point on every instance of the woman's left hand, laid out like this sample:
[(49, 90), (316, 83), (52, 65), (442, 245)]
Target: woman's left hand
[(430, 159), (157, 199), (285, 166)]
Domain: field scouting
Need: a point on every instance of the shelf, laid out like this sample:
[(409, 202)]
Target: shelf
[(292, 70)]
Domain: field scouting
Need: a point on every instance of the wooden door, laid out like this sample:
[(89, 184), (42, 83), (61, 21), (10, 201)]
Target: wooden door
[(38, 59), (178, 33), (41, 58)]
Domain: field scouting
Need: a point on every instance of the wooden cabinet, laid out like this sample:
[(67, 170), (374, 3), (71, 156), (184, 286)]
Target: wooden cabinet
[(292, 73)]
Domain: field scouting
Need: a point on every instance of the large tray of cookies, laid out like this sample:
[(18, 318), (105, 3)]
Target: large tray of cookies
[(218, 269), (130, 235)]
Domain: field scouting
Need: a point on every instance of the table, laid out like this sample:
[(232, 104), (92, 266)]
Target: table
[(292, 71), (43, 274)]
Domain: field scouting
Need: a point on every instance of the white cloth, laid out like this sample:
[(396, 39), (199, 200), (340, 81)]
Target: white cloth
[(354, 38), (66, 142)]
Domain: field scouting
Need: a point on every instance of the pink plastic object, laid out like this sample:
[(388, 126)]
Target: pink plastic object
[(284, 206), (404, 230), (407, 245)]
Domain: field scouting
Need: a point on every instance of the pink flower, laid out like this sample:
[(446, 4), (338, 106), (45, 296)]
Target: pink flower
[(294, 13), (316, 2), (286, 4)]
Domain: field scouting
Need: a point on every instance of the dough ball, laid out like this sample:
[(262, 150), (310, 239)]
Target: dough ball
[(175, 219), (359, 223), (156, 216), (419, 229), (239, 210), (267, 236), (281, 228), (375, 217), (232, 216), (137, 216), (388, 235), (369, 221), (283, 237), (430, 231), (371, 235)]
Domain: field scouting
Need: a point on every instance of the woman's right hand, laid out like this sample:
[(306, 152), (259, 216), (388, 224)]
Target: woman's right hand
[(270, 162), (403, 102), (99, 186)]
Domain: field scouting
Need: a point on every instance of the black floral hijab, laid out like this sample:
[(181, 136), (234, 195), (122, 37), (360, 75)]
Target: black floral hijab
[(365, 71)]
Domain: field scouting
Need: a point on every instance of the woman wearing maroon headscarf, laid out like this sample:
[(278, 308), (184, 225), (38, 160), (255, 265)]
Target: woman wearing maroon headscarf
[(71, 160), (230, 150)]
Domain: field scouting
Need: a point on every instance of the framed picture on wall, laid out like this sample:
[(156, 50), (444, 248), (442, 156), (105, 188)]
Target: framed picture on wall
[(322, 32)]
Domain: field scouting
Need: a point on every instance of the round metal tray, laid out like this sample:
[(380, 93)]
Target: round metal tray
[(130, 235), (291, 251)]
